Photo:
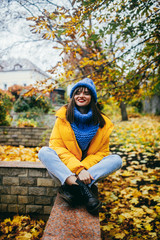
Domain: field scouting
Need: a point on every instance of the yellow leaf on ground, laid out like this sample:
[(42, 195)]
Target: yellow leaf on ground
[(148, 227), (107, 227), (101, 216), (120, 235), (134, 200), (127, 215), (127, 174), (24, 236), (121, 218)]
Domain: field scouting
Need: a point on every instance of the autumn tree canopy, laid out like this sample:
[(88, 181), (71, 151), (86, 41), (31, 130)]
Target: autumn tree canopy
[(116, 43)]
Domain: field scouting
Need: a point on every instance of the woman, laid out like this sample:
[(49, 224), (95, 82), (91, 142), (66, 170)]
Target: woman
[(78, 153)]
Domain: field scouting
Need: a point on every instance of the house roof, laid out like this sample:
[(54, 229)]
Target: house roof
[(19, 64)]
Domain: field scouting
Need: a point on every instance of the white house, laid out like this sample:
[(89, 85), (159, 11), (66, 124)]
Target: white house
[(19, 71)]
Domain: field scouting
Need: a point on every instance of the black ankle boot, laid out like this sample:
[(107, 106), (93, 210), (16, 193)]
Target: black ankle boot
[(91, 202), (71, 194)]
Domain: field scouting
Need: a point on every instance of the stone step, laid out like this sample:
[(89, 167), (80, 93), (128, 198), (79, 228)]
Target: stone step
[(66, 223)]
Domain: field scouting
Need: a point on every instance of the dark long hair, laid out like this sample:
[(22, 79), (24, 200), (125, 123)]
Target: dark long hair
[(97, 116)]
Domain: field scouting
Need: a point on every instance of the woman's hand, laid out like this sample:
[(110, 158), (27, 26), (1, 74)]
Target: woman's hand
[(85, 177)]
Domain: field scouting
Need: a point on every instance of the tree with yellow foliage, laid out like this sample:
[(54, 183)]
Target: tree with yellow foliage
[(116, 43)]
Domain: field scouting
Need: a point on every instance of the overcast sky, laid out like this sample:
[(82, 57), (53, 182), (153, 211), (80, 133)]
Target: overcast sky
[(16, 39)]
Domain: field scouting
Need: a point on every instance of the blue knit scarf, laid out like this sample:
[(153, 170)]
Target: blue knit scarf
[(83, 128)]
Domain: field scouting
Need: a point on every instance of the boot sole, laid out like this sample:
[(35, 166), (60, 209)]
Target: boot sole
[(95, 210)]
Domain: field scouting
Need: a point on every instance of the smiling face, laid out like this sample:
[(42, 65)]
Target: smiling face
[(82, 97)]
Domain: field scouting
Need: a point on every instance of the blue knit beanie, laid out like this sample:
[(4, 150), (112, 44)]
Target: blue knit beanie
[(88, 83)]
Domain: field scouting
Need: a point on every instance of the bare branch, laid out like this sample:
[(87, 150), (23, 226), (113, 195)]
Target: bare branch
[(53, 3), (33, 4), (20, 3)]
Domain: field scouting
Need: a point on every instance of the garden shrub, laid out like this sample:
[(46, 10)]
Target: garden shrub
[(5, 107), (138, 104), (21, 105), (31, 108), (32, 113), (24, 122), (24, 104)]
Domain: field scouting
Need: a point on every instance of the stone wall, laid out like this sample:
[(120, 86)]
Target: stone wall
[(28, 137), (152, 105), (26, 188)]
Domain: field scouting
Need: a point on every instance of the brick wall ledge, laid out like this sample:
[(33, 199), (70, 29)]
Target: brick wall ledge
[(26, 128), (27, 136), (26, 188), (18, 164)]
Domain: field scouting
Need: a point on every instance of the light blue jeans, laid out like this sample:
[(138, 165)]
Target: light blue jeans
[(58, 169)]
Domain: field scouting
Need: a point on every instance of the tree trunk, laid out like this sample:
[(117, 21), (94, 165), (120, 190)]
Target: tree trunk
[(123, 111)]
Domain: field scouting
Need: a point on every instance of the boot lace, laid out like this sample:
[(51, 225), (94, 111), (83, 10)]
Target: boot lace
[(85, 189)]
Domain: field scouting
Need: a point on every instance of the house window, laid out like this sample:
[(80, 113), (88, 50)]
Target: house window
[(25, 84), (5, 86), (17, 66)]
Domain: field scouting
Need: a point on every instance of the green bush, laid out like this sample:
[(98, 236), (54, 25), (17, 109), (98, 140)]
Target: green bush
[(138, 104), (32, 113), (24, 104), (21, 105), (5, 107)]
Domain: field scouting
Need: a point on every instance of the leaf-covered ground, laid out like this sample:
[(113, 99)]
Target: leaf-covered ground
[(21, 153), (140, 135), (21, 228), (131, 196), (131, 204)]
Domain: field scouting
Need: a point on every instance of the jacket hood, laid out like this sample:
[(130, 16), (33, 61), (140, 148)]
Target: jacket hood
[(61, 113)]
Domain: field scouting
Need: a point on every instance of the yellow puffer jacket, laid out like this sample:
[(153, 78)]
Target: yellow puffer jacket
[(64, 142)]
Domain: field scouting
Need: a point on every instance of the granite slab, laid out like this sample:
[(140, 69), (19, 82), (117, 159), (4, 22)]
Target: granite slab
[(66, 223)]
